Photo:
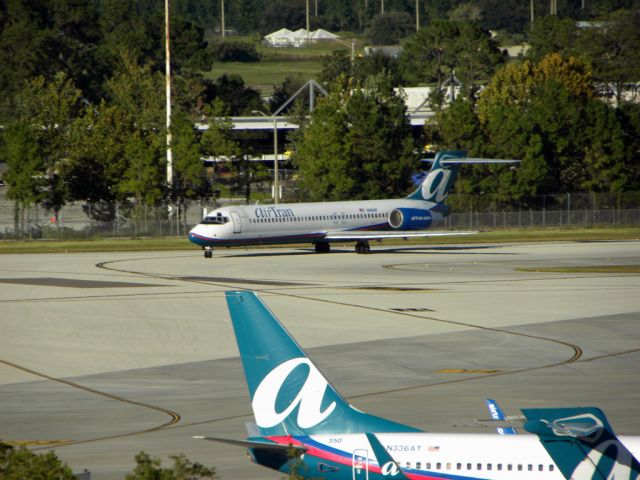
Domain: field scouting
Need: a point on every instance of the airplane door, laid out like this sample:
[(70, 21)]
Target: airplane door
[(237, 222), (360, 464)]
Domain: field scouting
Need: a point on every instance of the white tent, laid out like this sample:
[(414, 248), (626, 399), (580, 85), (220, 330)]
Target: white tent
[(300, 37), (279, 38), (322, 34)]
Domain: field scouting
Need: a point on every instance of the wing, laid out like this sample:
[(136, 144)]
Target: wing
[(354, 235)]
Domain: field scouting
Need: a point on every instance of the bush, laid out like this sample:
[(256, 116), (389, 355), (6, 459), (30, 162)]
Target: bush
[(235, 51)]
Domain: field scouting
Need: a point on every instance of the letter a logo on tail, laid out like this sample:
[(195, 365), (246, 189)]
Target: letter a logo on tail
[(308, 400)]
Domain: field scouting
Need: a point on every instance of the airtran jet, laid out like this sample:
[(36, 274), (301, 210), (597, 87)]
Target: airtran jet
[(303, 424), (322, 223)]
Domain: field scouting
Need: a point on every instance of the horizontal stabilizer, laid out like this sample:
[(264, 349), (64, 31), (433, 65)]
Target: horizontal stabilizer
[(252, 444)]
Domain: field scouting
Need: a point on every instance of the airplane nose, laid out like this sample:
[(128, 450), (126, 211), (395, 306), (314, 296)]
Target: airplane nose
[(195, 235)]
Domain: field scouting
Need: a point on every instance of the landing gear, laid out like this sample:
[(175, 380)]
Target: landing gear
[(363, 247), (323, 247), (208, 252)]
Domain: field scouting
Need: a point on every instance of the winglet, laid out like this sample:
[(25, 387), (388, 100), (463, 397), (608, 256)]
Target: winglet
[(581, 443), (498, 415)]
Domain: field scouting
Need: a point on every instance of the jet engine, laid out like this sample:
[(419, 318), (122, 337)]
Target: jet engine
[(410, 219)]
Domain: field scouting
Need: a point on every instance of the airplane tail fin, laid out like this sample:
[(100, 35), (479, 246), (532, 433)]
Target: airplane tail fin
[(289, 395), (440, 178), (438, 182), (582, 443)]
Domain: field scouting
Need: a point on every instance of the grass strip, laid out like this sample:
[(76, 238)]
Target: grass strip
[(527, 235), (584, 269)]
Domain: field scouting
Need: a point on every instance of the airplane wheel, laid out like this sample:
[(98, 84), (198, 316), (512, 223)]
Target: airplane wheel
[(208, 254), (323, 247), (362, 248)]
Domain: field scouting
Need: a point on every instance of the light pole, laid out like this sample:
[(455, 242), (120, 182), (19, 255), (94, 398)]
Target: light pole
[(168, 98), (276, 175)]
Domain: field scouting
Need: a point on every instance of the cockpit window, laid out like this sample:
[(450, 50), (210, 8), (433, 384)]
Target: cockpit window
[(215, 220)]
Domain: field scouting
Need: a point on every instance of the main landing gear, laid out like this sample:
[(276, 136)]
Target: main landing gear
[(323, 247), (363, 247), (208, 252)]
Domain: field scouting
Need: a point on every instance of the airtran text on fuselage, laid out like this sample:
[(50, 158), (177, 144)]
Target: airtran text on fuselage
[(273, 212)]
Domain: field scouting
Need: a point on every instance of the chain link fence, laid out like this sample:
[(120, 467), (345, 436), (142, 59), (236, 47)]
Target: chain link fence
[(76, 221)]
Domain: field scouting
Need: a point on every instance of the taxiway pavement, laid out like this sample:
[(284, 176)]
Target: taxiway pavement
[(103, 355)]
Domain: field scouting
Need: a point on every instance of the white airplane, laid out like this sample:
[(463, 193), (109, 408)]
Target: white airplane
[(322, 223), (304, 425)]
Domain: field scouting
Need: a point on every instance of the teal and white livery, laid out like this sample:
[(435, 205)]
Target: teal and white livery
[(582, 443), (322, 223), (297, 410)]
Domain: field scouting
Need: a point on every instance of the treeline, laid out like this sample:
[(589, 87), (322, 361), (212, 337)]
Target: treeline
[(83, 112), (20, 464), (569, 110)]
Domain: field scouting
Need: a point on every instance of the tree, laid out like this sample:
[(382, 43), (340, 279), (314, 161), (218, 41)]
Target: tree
[(20, 151), (356, 144), (613, 48), (545, 114), (143, 176), (239, 99), (148, 468), (552, 34), (50, 107), (187, 166), (445, 48), (18, 464), (390, 28)]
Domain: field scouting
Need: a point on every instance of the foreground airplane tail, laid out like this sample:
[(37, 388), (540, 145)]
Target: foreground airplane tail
[(582, 443), (289, 395)]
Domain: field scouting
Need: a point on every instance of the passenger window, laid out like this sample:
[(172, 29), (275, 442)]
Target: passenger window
[(489, 466), (427, 466), (530, 467), (499, 466), (519, 467), (468, 466), (541, 468), (458, 466), (551, 468), (479, 467), (438, 466), (448, 466), (509, 467), (418, 465)]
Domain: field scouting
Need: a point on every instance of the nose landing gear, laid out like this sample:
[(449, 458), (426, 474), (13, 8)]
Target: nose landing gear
[(208, 252)]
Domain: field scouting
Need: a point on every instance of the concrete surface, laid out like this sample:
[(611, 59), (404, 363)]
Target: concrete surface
[(118, 353)]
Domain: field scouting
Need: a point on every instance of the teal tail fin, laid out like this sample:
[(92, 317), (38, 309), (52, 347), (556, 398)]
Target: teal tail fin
[(582, 443), (289, 395), (440, 178)]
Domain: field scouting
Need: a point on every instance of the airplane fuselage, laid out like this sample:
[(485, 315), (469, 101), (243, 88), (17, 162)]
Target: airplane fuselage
[(431, 456), (308, 222)]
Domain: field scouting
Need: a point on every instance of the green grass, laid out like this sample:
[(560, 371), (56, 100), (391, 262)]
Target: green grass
[(265, 74), (181, 243), (585, 269), (281, 62)]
